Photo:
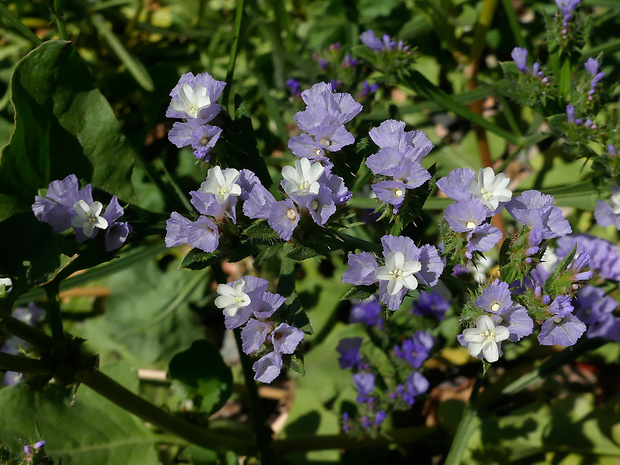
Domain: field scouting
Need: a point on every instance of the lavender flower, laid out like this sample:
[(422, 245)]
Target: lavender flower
[(536, 211), (293, 86), (469, 217), (268, 367), (596, 309), (253, 335), (604, 256), (285, 338), (591, 66), (202, 137), (570, 113), (415, 385), (562, 328), (369, 39), (417, 349), (194, 97), (349, 350), (607, 215), (324, 106), (456, 184), (368, 89), (431, 303), (519, 55), (365, 384), (368, 313)]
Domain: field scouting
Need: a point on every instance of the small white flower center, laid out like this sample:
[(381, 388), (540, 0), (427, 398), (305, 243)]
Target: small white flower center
[(398, 192), (204, 141), (192, 109), (470, 225), (486, 194), (291, 214), (396, 273), (325, 142), (319, 152), (489, 335), (557, 320), (495, 307), (314, 205), (223, 191)]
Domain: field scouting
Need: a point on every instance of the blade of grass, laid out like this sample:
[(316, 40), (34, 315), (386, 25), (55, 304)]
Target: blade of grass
[(418, 83), (17, 24), (233, 54), (133, 65), (513, 22)]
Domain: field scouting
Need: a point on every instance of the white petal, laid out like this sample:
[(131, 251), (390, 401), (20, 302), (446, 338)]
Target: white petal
[(96, 208), (474, 348), (82, 209), (473, 335), (410, 282), (394, 286), (484, 323), (491, 352), (501, 333), (383, 273)]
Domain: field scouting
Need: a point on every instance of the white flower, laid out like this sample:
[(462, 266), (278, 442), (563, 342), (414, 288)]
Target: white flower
[(232, 298), (490, 189), (88, 218), (303, 179), (398, 273), (191, 100), (615, 203), (6, 285), (485, 338), (221, 183)]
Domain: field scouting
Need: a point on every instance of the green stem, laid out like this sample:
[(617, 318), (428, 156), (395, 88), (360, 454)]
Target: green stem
[(263, 433), (513, 22), (341, 441), (17, 24), (233, 52), (129, 401), (62, 30), (465, 429), (23, 365), (53, 311), (351, 243), (27, 332)]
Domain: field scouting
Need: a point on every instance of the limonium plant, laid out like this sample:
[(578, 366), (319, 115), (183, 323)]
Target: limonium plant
[(320, 237)]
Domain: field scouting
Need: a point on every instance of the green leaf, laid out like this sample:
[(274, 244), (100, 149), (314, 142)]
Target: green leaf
[(297, 363), (300, 253), (147, 318), (261, 230), (63, 125), (203, 373), (196, 259), (87, 429), (360, 292), (294, 314), (31, 255)]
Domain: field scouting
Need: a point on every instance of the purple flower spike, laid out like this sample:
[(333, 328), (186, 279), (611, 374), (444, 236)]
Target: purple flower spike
[(369, 39), (268, 368), (324, 106), (286, 338), (570, 113), (253, 335), (349, 350), (519, 55), (535, 210)]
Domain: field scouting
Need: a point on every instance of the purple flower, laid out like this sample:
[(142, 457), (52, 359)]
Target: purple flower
[(604, 257), (431, 303), (194, 97), (516, 320), (202, 234), (324, 106), (468, 217), (202, 137), (519, 55), (117, 232), (259, 203), (269, 303), (374, 43), (254, 289), (365, 384), (349, 350), (415, 385), (56, 208), (268, 367), (409, 145), (368, 89), (284, 218), (253, 335), (570, 113), (286, 338), (536, 211), (606, 214), (495, 297), (293, 86), (417, 349), (368, 313), (562, 328), (361, 269), (456, 184), (380, 417), (596, 310), (391, 192)]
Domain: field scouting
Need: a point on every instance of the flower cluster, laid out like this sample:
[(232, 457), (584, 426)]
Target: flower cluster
[(397, 163), (194, 100), (476, 201), (403, 266), (312, 190), (323, 122), (519, 56), (431, 304), (386, 43), (567, 8), (606, 214), (246, 301), (65, 205), (215, 200)]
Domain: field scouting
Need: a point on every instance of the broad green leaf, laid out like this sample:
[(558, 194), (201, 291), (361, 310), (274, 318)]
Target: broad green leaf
[(196, 259), (31, 254), (360, 292), (300, 253), (147, 317), (63, 125), (85, 429), (261, 230), (203, 374)]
